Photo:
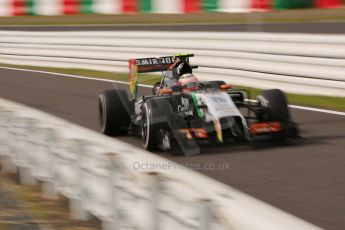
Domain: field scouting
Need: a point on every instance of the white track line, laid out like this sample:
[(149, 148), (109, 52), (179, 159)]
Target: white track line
[(71, 76), (142, 85), (318, 110), (311, 109)]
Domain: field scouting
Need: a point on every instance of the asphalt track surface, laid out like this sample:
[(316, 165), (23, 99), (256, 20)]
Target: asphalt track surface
[(305, 177), (301, 27)]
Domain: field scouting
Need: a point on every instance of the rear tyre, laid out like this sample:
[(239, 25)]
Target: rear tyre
[(275, 105), (113, 114), (155, 114)]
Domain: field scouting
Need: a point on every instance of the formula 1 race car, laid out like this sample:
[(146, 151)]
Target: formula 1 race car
[(184, 113)]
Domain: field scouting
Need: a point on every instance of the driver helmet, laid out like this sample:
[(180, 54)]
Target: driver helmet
[(189, 82)]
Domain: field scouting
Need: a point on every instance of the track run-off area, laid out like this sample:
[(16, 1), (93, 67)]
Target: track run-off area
[(304, 177)]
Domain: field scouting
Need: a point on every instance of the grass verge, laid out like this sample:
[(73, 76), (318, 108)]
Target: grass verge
[(24, 208), (295, 15), (326, 102)]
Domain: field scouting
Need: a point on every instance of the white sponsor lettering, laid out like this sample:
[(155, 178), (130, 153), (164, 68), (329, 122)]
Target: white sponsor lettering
[(185, 102), (166, 60), (218, 99), (154, 61), (184, 107)]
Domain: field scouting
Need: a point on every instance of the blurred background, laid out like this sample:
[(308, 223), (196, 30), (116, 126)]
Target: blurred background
[(53, 7), (306, 180)]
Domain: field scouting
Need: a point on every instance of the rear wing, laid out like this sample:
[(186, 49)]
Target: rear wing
[(150, 65), (146, 65)]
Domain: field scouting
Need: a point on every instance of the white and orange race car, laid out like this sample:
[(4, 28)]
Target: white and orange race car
[(184, 113)]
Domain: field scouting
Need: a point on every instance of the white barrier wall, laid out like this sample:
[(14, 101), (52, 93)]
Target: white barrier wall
[(297, 63), (102, 176)]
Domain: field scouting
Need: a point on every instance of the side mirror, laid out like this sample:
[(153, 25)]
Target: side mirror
[(225, 86)]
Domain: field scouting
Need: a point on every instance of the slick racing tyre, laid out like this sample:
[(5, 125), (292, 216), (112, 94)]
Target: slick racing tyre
[(275, 105), (155, 114), (113, 107)]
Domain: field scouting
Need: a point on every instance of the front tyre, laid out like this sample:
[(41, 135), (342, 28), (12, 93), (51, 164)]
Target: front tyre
[(275, 105)]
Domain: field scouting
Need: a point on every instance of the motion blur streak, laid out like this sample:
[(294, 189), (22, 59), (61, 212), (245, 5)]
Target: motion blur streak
[(304, 178), (149, 86)]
